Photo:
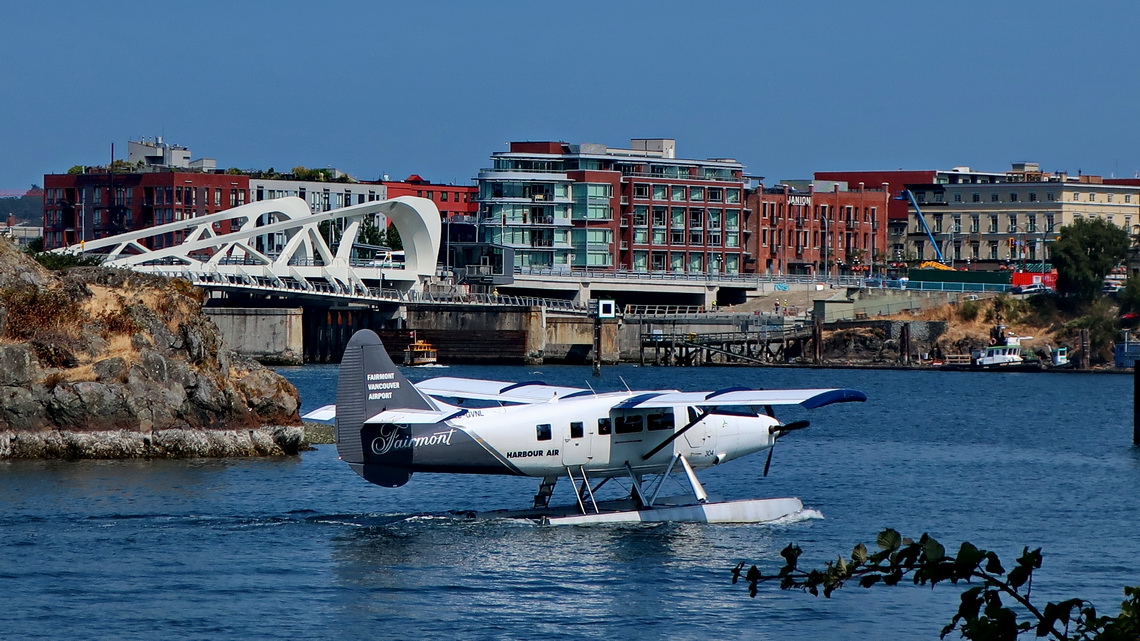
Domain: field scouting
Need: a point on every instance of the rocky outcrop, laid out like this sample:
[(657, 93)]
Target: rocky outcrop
[(111, 363)]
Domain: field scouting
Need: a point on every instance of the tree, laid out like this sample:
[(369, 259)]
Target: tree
[(1084, 254), (982, 615), (370, 233), (1129, 297), (393, 239)]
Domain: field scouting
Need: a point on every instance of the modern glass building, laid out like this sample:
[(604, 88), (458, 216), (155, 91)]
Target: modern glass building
[(563, 206)]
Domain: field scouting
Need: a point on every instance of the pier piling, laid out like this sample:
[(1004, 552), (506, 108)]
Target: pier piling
[(1135, 405)]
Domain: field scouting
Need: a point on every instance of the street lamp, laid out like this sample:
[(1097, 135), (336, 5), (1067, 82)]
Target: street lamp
[(1041, 248), (826, 249), (955, 228)]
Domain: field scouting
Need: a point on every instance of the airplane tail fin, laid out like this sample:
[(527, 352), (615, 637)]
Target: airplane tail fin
[(368, 384)]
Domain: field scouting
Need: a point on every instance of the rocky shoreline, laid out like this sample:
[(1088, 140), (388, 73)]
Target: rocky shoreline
[(173, 443), (108, 363)]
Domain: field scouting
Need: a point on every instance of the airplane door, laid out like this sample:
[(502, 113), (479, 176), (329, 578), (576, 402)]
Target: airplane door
[(575, 445), (700, 438)]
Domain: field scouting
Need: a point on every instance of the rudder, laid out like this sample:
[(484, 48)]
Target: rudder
[(369, 383)]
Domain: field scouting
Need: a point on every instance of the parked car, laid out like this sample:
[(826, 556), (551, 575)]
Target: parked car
[(1035, 288)]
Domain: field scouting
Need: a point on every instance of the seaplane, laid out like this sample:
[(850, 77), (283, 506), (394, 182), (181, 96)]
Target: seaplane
[(388, 428)]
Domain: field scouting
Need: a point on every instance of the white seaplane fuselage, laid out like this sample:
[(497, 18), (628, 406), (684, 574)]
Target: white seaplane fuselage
[(543, 439), (388, 429)]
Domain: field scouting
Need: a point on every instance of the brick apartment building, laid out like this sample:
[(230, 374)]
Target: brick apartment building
[(818, 227)]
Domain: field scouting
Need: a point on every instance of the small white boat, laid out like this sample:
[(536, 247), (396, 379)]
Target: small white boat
[(1003, 354)]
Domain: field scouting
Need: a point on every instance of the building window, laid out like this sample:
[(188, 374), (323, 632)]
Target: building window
[(1077, 196), (640, 216), (957, 198), (1032, 196), (1013, 197), (993, 250), (443, 196), (995, 197), (976, 197), (993, 223), (696, 193), (678, 192), (640, 190)]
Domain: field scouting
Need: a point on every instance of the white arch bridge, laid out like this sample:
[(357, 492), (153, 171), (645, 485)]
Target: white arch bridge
[(277, 245), (276, 248)]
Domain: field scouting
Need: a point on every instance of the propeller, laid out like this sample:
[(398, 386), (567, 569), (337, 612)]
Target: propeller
[(778, 431)]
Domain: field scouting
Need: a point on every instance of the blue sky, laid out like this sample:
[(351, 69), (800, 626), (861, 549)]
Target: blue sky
[(435, 87)]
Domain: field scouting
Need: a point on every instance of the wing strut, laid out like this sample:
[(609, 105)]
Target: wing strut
[(675, 435)]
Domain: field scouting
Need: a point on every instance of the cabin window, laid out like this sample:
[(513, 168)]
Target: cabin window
[(577, 430), (543, 431), (629, 424), (660, 421), (604, 426)]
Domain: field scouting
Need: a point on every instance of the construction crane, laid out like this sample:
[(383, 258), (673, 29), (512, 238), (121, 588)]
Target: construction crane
[(926, 228)]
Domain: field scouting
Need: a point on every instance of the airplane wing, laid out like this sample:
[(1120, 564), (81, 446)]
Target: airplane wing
[(808, 398), (481, 389)]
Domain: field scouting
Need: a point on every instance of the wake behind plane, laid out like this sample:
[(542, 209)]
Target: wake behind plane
[(388, 428)]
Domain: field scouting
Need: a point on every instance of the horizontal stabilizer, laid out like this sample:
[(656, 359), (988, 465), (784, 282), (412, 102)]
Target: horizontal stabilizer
[(326, 414), (502, 391), (808, 398), (414, 417)]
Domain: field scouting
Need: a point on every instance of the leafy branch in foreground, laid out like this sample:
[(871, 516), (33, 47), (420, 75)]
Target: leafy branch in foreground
[(983, 614)]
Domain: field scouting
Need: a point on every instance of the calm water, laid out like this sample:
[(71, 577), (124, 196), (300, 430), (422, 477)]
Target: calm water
[(302, 548)]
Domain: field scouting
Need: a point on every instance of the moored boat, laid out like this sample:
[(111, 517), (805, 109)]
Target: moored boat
[(1003, 354), (420, 352)]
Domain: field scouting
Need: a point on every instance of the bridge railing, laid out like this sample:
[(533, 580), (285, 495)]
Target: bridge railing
[(262, 283), (578, 273)]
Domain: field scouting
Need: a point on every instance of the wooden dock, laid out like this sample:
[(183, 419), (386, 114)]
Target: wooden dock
[(764, 346)]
